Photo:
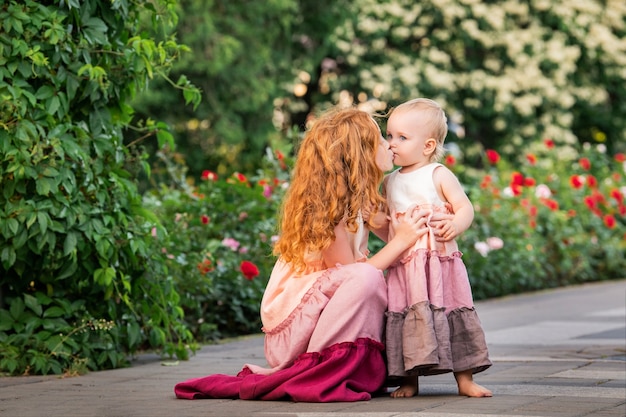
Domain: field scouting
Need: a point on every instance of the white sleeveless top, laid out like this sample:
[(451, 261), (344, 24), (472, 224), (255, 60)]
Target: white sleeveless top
[(415, 187)]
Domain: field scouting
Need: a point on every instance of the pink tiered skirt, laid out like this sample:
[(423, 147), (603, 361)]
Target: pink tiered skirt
[(432, 326)]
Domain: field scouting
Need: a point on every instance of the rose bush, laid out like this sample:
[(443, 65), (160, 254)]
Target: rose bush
[(216, 237), (554, 217)]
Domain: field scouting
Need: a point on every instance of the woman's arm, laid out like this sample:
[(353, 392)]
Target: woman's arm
[(407, 231)]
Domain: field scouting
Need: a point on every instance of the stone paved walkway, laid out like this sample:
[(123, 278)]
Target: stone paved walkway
[(558, 353)]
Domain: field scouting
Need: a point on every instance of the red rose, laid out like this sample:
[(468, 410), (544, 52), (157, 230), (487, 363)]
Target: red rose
[(205, 266), (609, 221), (248, 269), (486, 181), (517, 183), (589, 202), (209, 175), (493, 156), (617, 195), (551, 204), (576, 181), (517, 178), (591, 181), (585, 163)]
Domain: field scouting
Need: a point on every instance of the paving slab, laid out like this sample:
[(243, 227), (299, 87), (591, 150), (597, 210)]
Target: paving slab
[(558, 353)]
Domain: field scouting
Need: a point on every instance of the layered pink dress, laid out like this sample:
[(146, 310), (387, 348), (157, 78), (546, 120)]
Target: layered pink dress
[(323, 336), (432, 325)]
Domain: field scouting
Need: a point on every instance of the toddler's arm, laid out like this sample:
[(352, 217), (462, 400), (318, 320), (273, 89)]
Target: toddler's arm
[(463, 211)]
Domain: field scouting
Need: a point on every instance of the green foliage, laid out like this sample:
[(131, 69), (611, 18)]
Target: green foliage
[(71, 222), (212, 227), (39, 335), (248, 57)]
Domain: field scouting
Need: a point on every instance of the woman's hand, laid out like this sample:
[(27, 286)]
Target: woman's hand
[(410, 227)]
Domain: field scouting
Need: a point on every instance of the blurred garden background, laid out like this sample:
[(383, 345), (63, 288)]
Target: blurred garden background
[(145, 147)]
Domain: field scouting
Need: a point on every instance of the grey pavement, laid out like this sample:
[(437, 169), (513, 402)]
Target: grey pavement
[(558, 353)]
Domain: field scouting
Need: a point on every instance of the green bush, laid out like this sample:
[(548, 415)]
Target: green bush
[(75, 242), (40, 335)]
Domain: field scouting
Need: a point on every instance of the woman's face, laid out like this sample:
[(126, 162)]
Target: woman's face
[(384, 155)]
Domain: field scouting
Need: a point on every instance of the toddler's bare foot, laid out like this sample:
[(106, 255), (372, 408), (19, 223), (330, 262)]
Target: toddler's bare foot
[(408, 388), (468, 387), (474, 390)]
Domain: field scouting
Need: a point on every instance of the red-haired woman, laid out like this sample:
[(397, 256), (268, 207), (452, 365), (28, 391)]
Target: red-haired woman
[(324, 305)]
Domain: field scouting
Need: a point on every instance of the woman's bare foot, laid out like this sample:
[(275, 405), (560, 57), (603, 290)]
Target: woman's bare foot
[(468, 387), (408, 388)]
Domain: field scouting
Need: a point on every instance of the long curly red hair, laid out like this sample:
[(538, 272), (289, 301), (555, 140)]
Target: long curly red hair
[(334, 178)]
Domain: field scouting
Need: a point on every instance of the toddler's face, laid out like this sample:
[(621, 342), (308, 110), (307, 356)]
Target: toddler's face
[(409, 139)]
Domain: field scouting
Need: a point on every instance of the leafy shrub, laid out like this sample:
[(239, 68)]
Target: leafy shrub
[(39, 337), (74, 241)]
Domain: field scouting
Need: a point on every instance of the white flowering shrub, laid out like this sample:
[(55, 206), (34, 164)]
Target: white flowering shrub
[(506, 72)]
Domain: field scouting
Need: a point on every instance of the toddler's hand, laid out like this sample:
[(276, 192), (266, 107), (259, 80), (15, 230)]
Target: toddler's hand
[(443, 227), (446, 231)]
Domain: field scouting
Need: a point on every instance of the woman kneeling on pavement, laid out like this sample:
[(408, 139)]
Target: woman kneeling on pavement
[(324, 304)]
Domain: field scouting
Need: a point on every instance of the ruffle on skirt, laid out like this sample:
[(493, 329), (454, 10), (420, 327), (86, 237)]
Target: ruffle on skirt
[(347, 371), (429, 276), (423, 341)]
